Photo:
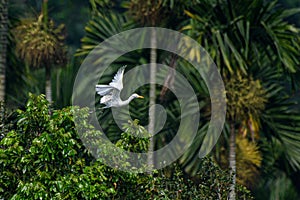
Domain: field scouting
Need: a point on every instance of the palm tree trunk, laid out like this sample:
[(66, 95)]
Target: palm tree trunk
[(48, 88), (3, 45), (152, 97), (232, 162)]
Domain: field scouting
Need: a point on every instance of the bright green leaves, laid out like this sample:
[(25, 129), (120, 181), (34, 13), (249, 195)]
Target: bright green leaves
[(42, 149), (135, 138), (44, 158)]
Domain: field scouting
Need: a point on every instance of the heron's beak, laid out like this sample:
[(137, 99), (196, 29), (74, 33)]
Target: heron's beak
[(141, 97)]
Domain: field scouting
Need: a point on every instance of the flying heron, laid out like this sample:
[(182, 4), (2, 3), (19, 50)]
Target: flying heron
[(111, 93)]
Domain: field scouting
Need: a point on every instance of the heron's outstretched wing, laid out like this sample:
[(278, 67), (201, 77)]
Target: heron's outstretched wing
[(111, 92), (103, 89), (117, 81), (106, 91)]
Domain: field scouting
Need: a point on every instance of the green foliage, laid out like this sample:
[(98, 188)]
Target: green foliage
[(134, 143), (249, 38), (41, 156), (249, 158), (147, 12), (245, 98), (5, 123), (102, 25), (38, 45), (20, 80), (63, 81), (254, 40), (236, 31), (39, 151), (276, 186)]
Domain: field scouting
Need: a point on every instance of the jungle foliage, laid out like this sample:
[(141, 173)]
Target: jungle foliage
[(42, 156)]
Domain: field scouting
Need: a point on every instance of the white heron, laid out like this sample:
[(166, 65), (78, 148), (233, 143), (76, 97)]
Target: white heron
[(111, 93)]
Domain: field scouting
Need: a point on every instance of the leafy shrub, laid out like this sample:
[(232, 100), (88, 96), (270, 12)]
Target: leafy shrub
[(42, 157), (6, 119)]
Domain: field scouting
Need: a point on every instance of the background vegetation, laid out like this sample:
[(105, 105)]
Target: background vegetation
[(256, 46)]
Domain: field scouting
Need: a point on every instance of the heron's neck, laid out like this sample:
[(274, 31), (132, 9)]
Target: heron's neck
[(126, 102)]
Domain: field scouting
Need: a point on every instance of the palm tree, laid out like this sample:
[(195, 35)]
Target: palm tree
[(40, 44), (148, 13), (105, 24), (3, 44), (241, 41), (246, 39)]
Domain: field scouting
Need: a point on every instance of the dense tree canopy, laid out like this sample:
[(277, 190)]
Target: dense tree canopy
[(256, 47)]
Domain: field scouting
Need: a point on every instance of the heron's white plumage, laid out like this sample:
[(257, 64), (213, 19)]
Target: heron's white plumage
[(111, 93), (106, 99), (103, 89), (117, 81)]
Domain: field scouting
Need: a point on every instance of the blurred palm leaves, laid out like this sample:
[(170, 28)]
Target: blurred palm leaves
[(239, 30), (253, 46), (40, 44), (40, 47), (103, 25), (20, 79), (146, 12), (246, 98), (100, 27), (249, 160)]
